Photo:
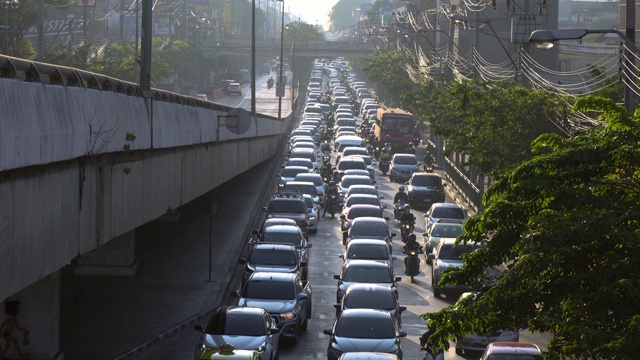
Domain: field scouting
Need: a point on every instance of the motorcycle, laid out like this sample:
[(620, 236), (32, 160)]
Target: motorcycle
[(332, 205), (416, 140), (406, 229), (398, 210), (412, 263), (428, 168), (383, 166)]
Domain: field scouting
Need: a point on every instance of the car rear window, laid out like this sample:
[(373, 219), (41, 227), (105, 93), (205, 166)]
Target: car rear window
[(455, 252), (287, 206), (269, 290), (405, 160), (347, 164), (303, 189), (369, 229), (236, 324), (272, 257), (448, 213), (282, 238), (356, 213), (370, 300), (355, 181), (432, 181), (368, 252), (367, 274), (365, 328)]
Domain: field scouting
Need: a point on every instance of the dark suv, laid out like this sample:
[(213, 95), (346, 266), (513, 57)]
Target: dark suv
[(273, 258), (289, 206), (425, 188)]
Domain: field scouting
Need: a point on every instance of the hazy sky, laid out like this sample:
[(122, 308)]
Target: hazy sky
[(311, 10)]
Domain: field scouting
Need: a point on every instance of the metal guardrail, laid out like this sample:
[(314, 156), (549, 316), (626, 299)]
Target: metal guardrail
[(464, 186)]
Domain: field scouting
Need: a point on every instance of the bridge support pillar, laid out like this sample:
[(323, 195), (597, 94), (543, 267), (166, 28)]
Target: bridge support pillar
[(115, 258), (39, 313)]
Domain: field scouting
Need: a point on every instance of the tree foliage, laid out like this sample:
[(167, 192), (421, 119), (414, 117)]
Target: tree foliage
[(340, 14), (387, 70), (492, 123), (567, 224)]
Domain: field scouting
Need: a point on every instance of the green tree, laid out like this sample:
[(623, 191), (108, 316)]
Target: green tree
[(492, 123), (567, 224), (387, 70), (341, 13)]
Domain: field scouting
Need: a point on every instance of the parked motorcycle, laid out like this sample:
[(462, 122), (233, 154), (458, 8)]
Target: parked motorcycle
[(412, 262)]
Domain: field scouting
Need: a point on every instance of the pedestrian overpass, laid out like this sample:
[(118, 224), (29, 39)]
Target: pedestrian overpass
[(317, 49)]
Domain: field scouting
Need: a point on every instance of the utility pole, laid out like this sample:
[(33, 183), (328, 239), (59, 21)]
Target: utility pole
[(629, 57), (145, 49), (40, 27), (121, 24)]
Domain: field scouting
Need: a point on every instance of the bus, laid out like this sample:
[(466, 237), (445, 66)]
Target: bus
[(394, 126)]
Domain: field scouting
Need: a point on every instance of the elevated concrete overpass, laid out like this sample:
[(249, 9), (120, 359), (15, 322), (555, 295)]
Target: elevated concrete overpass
[(85, 159), (318, 49)]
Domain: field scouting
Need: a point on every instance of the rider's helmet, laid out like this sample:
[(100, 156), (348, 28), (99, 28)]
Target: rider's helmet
[(401, 188), (412, 237), (407, 207), (410, 144), (332, 183)]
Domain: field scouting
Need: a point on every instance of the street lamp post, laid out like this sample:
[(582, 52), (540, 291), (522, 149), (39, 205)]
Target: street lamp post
[(545, 39), (6, 5), (279, 83), (293, 63), (253, 59)]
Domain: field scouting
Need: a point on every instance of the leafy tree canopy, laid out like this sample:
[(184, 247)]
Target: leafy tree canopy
[(341, 13), (387, 70), (566, 223)]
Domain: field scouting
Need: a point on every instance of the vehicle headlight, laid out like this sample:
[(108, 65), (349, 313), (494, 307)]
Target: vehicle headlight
[(287, 316)]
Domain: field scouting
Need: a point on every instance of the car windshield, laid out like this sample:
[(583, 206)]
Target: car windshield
[(405, 160), (360, 212), (448, 231), (368, 252), (269, 290), (382, 300), (432, 181), (273, 257), (290, 173), (365, 328), (367, 274), (369, 229), (282, 238), (448, 213), (455, 252), (236, 324), (357, 151)]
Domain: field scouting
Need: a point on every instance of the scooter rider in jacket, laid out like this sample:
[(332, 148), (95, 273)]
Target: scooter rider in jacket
[(331, 190), (401, 196)]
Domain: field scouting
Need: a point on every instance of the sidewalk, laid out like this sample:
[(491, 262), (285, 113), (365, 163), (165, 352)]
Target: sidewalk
[(119, 318)]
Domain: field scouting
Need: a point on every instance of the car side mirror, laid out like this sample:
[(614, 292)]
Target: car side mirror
[(381, 197), (398, 278), (343, 217), (308, 246), (303, 296), (198, 328), (303, 264), (336, 306), (234, 293), (386, 218), (431, 256), (264, 209), (402, 308), (341, 256), (336, 277), (393, 234), (242, 261), (402, 333), (425, 234), (384, 206), (255, 233), (327, 332), (374, 181)]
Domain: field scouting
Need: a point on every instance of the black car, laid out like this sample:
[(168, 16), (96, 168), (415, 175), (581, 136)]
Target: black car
[(425, 188), (284, 296), (371, 296), (273, 258), (289, 235), (289, 206), (365, 271), (364, 330)]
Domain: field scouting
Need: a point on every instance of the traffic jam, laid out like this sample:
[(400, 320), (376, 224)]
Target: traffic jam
[(344, 147)]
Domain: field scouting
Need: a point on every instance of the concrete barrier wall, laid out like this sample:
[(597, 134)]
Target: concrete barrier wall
[(41, 124), (67, 187)]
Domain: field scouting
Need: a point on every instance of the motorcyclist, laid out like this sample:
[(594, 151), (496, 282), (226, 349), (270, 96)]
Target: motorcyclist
[(332, 189), (412, 244), (401, 196), (325, 147), (424, 343), (407, 216), (428, 161), (410, 149), (337, 177), (270, 83)]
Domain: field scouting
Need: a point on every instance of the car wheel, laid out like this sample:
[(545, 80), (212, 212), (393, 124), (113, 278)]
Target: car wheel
[(276, 356), (458, 351), (305, 325)]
